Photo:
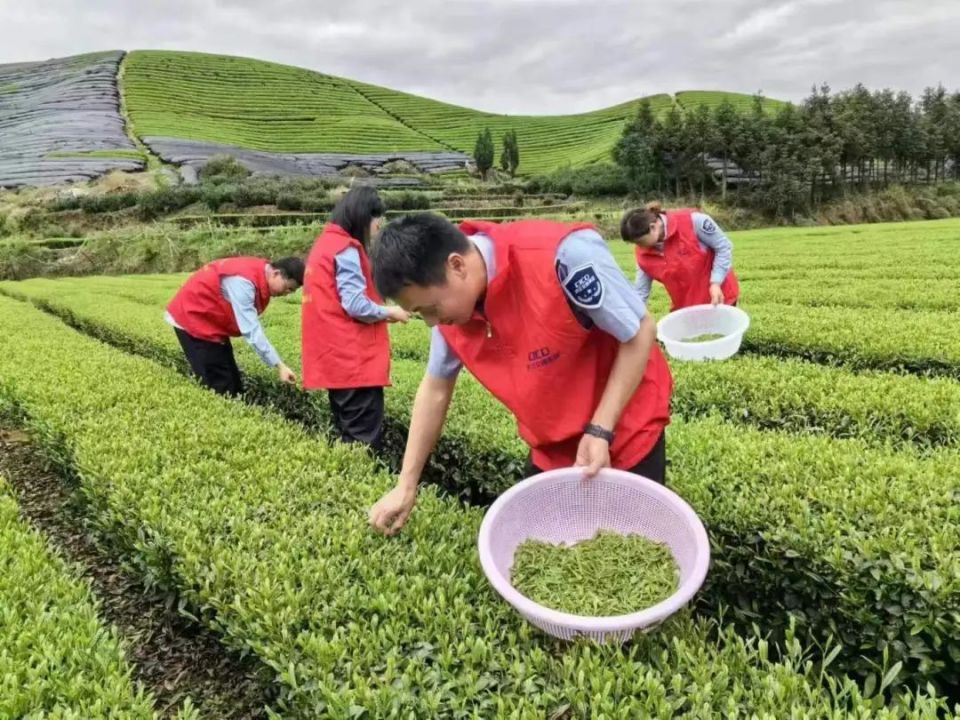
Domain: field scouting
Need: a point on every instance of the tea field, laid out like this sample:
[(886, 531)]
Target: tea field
[(279, 108), (824, 461)]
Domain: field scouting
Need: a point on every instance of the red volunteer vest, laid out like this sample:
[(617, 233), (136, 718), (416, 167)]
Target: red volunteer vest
[(199, 306), (684, 267), (541, 363), (338, 351)]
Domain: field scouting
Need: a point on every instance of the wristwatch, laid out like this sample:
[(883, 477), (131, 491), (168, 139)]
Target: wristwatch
[(599, 432)]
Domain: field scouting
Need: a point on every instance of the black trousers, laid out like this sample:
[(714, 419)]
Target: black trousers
[(213, 363), (358, 415), (653, 466)]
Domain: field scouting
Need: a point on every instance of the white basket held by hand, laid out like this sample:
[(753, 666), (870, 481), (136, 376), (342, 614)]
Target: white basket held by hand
[(726, 320), (561, 506)]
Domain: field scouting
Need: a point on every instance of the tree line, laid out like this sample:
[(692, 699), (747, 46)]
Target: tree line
[(790, 158)]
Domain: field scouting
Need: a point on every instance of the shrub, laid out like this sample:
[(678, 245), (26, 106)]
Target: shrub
[(223, 169)]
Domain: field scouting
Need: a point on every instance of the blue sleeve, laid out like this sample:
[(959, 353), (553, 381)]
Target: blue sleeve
[(241, 294), (352, 288), (712, 237), (443, 363), (643, 285), (597, 289)]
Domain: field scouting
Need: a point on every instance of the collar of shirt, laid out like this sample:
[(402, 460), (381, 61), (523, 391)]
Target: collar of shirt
[(659, 246), (484, 244)]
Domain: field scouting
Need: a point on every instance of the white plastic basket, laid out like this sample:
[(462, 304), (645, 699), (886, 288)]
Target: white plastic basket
[(561, 506), (726, 320)]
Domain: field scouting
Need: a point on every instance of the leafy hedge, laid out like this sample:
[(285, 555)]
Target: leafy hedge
[(596, 180), (769, 393), (262, 531), (57, 659), (797, 396), (921, 342), (847, 538), (817, 290)]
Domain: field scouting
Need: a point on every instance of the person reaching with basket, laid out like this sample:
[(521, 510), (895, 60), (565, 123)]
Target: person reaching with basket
[(686, 251), (540, 313)]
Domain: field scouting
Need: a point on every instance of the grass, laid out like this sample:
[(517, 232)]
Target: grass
[(279, 108), (690, 99), (114, 154), (808, 522)]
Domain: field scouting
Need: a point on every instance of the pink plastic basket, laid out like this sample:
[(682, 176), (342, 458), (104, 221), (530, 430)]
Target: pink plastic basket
[(561, 506)]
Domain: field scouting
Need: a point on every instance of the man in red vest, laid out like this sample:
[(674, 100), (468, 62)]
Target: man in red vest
[(540, 313), (225, 299)]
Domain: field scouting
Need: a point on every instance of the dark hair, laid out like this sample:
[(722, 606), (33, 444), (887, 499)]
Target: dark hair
[(636, 223), (413, 251), (291, 268), (356, 210)]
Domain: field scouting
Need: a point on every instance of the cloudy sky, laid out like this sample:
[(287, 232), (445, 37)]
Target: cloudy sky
[(528, 56)]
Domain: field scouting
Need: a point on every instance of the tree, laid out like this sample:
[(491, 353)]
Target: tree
[(700, 133), (483, 152), (822, 140), (673, 147), (727, 128), (635, 151), (936, 110), (856, 123), (510, 155), (952, 133), (753, 138), (907, 136)]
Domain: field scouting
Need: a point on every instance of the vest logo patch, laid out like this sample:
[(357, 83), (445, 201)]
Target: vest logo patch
[(541, 357), (584, 287)]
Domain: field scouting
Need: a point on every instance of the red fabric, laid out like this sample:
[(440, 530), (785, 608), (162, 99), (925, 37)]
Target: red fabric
[(684, 266), (338, 351), (200, 308), (541, 363)]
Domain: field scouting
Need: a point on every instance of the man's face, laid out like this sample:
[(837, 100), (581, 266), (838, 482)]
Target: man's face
[(280, 285), (452, 303)]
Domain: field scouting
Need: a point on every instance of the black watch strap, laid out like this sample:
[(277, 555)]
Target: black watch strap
[(599, 432)]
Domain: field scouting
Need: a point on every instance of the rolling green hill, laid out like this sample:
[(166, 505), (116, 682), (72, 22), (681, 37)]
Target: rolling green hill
[(690, 99), (279, 108)]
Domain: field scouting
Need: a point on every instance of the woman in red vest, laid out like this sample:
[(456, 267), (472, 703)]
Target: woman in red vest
[(684, 250), (540, 313), (225, 299), (346, 348)]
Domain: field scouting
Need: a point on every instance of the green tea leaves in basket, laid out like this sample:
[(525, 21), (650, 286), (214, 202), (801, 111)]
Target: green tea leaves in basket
[(706, 337), (608, 575)]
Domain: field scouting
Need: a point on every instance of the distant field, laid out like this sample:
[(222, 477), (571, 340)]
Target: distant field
[(690, 99), (279, 108)]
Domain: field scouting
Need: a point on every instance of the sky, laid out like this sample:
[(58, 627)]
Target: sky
[(529, 56)]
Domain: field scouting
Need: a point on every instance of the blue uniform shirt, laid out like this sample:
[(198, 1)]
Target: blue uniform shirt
[(352, 288)]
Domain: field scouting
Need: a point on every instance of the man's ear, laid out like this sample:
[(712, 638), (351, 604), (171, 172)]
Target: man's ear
[(457, 265)]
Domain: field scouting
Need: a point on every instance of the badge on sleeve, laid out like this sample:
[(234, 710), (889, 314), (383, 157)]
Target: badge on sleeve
[(562, 271), (584, 287), (709, 226)]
